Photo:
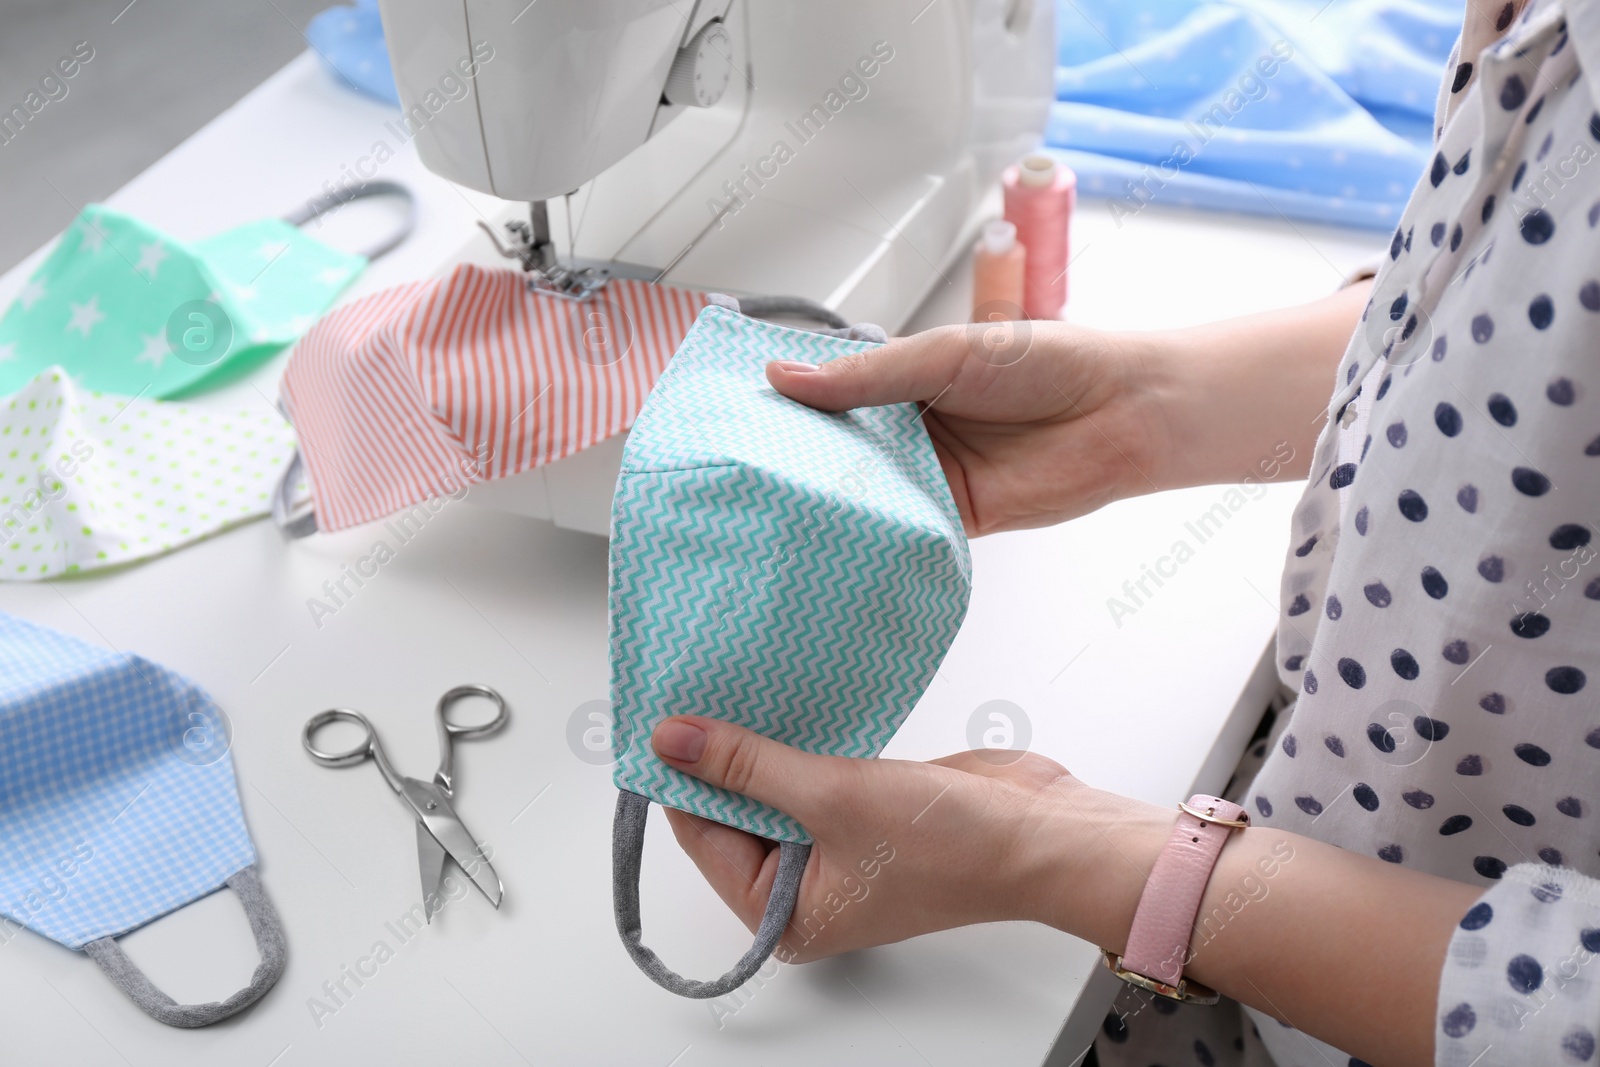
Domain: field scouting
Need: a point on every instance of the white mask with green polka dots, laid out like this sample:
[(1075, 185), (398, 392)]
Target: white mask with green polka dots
[(89, 480)]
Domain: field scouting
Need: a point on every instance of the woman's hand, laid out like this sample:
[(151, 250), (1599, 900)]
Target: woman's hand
[(900, 848), (1038, 422), (905, 848), (1034, 422)]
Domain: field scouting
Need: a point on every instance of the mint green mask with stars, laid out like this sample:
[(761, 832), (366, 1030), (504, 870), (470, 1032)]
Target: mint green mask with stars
[(125, 308)]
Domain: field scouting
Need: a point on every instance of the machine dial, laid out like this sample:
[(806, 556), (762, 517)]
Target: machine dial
[(701, 69)]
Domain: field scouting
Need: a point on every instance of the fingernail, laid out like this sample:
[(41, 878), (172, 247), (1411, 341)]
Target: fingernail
[(679, 740), (794, 367)]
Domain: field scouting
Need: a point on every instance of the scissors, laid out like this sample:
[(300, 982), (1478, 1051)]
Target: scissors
[(439, 830)]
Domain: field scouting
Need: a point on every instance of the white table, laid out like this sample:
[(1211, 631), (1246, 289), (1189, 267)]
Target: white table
[(1153, 707)]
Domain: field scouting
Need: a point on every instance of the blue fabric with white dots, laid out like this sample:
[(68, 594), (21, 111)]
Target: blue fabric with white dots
[(349, 40), (1295, 107), (118, 802)]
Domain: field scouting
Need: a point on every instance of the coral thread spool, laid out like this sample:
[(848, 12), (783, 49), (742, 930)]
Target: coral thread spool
[(1039, 196), (998, 268)]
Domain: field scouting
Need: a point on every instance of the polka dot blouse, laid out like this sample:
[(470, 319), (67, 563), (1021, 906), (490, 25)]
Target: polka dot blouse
[(1441, 601)]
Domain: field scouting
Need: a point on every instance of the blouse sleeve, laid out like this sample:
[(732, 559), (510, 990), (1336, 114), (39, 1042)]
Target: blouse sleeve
[(1521, 983)]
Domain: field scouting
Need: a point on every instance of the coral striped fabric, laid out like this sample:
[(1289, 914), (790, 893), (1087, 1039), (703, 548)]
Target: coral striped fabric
[(418, 391)]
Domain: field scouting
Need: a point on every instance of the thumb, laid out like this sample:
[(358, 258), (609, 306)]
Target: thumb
[(919, 367), (743, 761)]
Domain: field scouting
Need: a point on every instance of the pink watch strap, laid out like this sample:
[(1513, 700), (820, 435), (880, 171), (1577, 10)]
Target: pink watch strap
[(1158, 943)]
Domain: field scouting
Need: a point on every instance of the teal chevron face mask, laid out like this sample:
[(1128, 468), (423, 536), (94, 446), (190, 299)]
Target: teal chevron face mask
[(798, 572)]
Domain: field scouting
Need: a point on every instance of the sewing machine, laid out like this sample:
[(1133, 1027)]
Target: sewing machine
[(838, 150)]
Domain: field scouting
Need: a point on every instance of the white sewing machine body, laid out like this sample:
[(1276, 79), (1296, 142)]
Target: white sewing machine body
[(847, 160)]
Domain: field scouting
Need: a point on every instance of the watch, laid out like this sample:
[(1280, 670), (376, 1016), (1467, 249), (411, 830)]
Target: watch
[(1158, 941)]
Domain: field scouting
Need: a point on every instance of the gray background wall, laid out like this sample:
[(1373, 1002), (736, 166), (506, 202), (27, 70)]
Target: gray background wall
[(161, 70)]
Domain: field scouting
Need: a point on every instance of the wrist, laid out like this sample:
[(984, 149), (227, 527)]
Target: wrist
[(1088, 854), (1119, 382), (1242, 400), (1186, 393)]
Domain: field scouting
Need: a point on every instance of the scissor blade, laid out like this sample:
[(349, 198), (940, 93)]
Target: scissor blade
[(433, 808), (430, 864)]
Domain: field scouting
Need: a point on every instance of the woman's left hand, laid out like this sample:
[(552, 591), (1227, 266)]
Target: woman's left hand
[(906, 848)]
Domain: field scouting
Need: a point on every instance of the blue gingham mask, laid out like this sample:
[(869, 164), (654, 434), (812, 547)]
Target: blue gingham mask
[(798, 572), (118, 805)]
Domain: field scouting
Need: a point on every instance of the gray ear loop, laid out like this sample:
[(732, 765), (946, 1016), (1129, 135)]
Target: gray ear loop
[(268, 932), (834, 324), (289, 524), (627, 853), (304, 524), (323, 204), (765, 307)]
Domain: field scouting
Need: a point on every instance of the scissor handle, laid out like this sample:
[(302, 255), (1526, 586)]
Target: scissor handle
[(449, 731), (368, 746)]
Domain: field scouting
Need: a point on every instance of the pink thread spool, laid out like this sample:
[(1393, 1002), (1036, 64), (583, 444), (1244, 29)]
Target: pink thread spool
[(999, 272), (1039, 195)]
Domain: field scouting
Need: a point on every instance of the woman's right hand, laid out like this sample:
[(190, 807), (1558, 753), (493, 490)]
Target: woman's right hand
[(1033, 422), (1038, 422)]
